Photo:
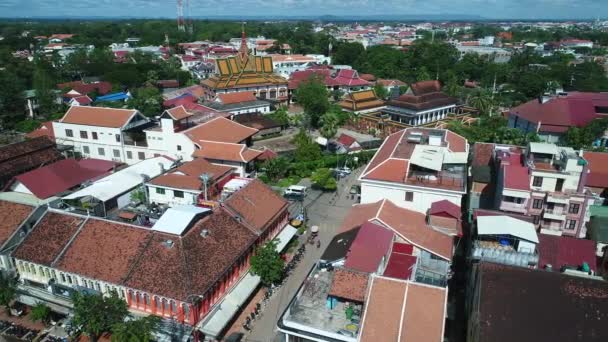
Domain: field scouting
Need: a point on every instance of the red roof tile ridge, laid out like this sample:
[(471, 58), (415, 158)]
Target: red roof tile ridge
[(69, 243), (398, 142), (365, 174)]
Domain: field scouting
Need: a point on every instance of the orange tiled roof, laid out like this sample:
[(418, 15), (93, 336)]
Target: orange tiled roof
[(179, 113), (212, 150), (220, 130), (349, 284), (408, 224), (11, 217), (187, 175), (403, 311), (238, 97), (257, 204), (98, 116)]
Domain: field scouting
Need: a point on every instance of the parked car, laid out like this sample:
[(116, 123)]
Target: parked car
[(295, 191), (342, 172), (355, 189)]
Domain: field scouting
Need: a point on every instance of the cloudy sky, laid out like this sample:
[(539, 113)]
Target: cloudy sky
[(524, 9)]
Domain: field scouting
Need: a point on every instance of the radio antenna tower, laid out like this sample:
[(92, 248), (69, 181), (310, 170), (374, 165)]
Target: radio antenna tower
[(180, 16), (189, 26)]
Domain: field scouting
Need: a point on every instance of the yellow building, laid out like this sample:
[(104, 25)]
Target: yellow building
[(245, 72)]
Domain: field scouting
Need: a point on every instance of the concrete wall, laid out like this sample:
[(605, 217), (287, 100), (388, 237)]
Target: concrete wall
[(372, 192), (169, 198)]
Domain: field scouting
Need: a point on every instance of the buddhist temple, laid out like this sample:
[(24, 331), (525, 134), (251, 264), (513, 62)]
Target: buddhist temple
[(423, 103), (361, 102), (246, 72)]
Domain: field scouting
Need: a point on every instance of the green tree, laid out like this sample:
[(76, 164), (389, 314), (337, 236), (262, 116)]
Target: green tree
[(8, 290), (40, 312), (275, 168), (312, 96), (12, 103), (280, 116), (347, 53), (136, 330), (329, 125), (306, 149), (482, 100), (147, 100), (267, 263), (323, 179), (380, 91), (422, 75), (96, 314)]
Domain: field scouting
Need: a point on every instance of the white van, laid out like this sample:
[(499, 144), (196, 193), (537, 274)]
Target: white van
[(297, 191)]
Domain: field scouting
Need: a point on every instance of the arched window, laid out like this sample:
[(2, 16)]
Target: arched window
[(173, 306), (159, 304), (41, 271), (186, 310), (140, 299), (147, 299), (165, 305)]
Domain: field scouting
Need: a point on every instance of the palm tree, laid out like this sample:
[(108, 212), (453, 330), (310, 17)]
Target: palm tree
[(8, 290), (329, 125), (482, 100)]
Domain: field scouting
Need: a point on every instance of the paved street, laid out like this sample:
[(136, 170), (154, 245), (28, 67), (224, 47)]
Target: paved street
[(327, 211)]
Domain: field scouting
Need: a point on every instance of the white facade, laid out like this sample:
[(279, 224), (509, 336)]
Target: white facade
[(416, 118), (422, 197), (171, 196)]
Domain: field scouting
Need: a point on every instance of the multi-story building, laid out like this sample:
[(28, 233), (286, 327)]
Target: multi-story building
[(193, 271), (383, 276), (547, 182), (129, 137), (417, 167), (423, 103), (187, 183)]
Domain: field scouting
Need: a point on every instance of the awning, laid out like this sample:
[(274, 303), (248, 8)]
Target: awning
[(216, 320), (284, 237)]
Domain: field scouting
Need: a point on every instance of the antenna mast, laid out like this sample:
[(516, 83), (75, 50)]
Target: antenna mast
[(180, 16)]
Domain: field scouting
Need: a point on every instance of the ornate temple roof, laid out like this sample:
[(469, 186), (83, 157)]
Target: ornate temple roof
[(243, 70)]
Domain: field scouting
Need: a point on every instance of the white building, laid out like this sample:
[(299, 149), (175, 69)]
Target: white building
[(416, 167), (127, 136), (285, 65), (185, 184), (239, 103)]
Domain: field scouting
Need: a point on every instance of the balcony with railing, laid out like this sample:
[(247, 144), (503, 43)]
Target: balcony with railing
[(514, 206), (443, 180), (558, 214)]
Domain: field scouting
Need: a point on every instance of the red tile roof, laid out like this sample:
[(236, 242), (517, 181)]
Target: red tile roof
[(349, 285), (187, 176), (98, 116), (330, 77), (238, 97), (83, 100), (482, 154), (257, 204), (391, 83), (401, 262), (178, 113), (194, 263), (58, 177), (27, 155), (213, 151), (179, 101), (346, 140), (12, 216), (220, 130), (598, 169), (104, 250), (101, 88), (398, 310), (516, 176), (445, 208), (50, 235), (559, 113), (409, 225), (559, 251), (267, 154), (369, 248), (46, 130)]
